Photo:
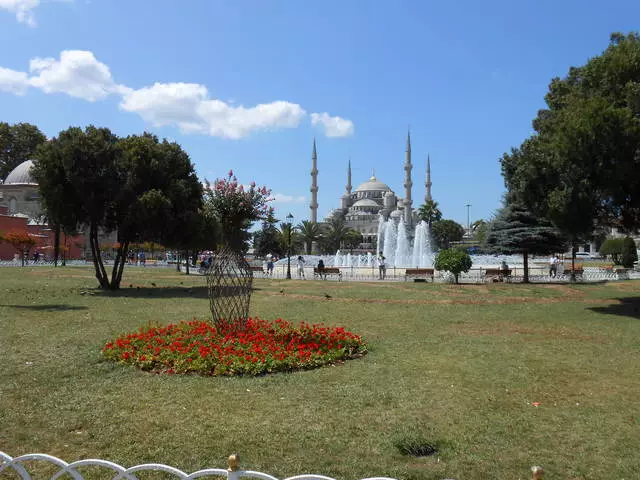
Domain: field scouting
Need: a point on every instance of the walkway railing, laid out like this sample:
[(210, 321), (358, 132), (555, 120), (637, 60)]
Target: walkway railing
[(232, 472)]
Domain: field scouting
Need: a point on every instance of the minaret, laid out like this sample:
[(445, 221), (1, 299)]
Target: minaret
[(427, 183), (349, 177), (314, 184), (408, 217)]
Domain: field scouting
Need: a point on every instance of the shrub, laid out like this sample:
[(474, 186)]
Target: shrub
[(629, 253), (263, 347), (613, 247), (453, 260)]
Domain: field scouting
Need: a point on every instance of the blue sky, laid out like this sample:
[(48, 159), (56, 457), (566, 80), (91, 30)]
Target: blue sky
[(246, 85)]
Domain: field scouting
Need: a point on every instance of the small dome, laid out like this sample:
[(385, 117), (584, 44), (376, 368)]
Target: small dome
[(373, 185), (366, 202), (21, 175), (396, 214)]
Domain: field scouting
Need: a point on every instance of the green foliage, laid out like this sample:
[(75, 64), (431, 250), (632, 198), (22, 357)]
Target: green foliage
[(236, 208), (334, 235), (429, 212), (579, 167), (352, 239), (141, 187), (629, 253), (18, 143), (444, 232), (613, 247), (479, 229), (309, 232), (453, 260), (267, 239)]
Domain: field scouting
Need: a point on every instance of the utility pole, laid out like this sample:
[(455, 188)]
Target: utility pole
[(468, 205)]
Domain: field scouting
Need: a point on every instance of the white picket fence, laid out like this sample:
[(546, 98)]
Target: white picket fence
[(233, 472)]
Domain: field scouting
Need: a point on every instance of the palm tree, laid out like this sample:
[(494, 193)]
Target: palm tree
[(336, 233), (429, 212), (309, 232)]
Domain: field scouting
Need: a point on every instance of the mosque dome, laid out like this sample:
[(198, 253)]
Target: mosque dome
[(373, 185), (366, 203), (396, 214), (21, 175)]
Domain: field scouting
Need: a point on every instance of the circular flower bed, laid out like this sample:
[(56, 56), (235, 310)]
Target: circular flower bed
[(262, 347)]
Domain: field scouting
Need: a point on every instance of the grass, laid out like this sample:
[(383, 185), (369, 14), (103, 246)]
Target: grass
[(457, 367)]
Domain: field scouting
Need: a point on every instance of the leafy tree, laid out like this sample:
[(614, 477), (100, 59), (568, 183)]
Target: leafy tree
[(613, 247), (453, 260), (429, 212), (444, 232), (352, 239), (143, 188), (309, 232), (21, 241), (578, 169), (517, 230), (236, 208), (17, 143), (629, 253)]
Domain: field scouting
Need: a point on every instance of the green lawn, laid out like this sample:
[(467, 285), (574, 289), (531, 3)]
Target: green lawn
[(459, 366)]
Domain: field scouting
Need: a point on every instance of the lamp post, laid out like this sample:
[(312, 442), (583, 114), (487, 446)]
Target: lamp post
[(290, 224), (468, 205)]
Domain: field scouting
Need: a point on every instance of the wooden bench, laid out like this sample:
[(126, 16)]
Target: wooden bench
[(497, 275), (327, 271), (256, 269), (418, 273)]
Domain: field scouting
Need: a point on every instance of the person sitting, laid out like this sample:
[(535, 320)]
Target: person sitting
[(321, 273)]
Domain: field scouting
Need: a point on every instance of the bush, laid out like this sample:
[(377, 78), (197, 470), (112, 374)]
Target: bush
[(263, 347), (613, 247), (453, 260), (629, 253)]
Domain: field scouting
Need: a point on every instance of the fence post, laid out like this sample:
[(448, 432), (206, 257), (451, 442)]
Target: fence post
[(537, 473), (234, 461)]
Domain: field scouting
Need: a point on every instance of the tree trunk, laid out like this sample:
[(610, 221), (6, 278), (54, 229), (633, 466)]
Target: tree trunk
[(118, 265), (188, 260), (101, 273), (56, 244), (455, 275), (525, 261)]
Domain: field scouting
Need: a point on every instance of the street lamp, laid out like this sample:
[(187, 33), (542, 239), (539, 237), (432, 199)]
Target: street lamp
[(290, 223)]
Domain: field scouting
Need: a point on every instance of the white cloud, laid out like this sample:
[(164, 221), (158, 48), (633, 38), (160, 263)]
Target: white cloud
[(13, 82), (77, 73), (188, 106), (22, 9), (282, 198), (333, 126)]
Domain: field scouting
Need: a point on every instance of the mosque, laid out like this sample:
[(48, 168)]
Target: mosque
[(20, 211), (361, 208)]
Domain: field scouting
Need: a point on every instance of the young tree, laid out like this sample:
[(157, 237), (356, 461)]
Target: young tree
[(429, 212), (17, 143), (236, 208), (444, 232), (21, 241), (335, 234), (516, 230), (352, 239), (453, 260)]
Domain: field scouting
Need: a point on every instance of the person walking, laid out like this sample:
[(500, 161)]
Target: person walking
[(269, 265), (553, 266), (301, 267), (321, 273), (382, 268)]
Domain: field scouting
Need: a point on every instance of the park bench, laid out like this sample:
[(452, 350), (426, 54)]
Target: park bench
[(496, 275), (256, 269), (327, 271), (416, 273)]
